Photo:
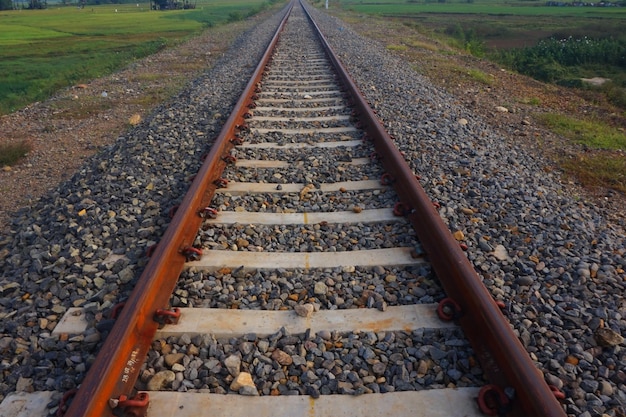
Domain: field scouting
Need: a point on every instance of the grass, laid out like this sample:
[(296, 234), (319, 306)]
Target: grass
[(430, 46), (12, 153), (399, 48), (43, 51), (591, 133), (156, 96), (532, 101), (480, 76), (474, 74), (604, 162), (598, 170), (80, 109), (480, 7), (615, 93)]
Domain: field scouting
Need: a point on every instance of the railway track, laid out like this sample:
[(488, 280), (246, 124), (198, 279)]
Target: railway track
[(292, 273)]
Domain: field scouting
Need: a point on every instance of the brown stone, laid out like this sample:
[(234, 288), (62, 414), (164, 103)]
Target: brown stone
[(304, 310), (243, 380), (161, 380), (172, 358), (607, 337), (134, 120), (282, 358)]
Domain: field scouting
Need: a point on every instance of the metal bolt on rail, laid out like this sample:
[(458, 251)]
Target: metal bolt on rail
[(236, 140), (387, 179), (221, 183), (150, 250), (229, 159), (65, 400), (136, 406), (116, 310), (191, 253), (448, 309), (173, 211), (493, 401), (401, 209), (208, 213), (167, 316)]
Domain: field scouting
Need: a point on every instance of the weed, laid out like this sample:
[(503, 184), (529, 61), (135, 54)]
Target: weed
[(466, 39), (145, 77), (397, 47), (532, 101), (603, 169), (615, 93), (591, 133), (81, 108), (423, 45), (155, 96), (474, 74), (12, 153), (480, 76), (235, 16)]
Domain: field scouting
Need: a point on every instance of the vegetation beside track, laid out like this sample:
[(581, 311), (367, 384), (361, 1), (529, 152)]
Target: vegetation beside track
[(470, 48), (444, 39), (11, 153), (42, 51)]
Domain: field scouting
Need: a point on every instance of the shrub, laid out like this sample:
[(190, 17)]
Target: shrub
[(565, 61), (11, 153), (235, 16), (467, 39), (615, 94), (568, 52)]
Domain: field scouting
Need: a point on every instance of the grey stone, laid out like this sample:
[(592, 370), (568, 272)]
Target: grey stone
[(233, 365)]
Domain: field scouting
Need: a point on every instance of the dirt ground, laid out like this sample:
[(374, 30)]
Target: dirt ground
[(73, 125)]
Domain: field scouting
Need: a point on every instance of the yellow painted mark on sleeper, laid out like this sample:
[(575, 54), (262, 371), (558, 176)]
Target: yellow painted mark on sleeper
[(307, 261), (306, 218), (311, 407)]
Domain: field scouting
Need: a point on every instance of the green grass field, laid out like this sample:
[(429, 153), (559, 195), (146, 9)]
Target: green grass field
[(42, 51), (516, 35), (484, 7), (497, 24)]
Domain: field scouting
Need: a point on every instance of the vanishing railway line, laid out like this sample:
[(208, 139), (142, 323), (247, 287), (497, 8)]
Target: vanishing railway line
[(303, 277)]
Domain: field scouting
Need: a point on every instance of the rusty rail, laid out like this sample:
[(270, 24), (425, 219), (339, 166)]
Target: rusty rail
[(113, 374), (116, 368), (502, 356)]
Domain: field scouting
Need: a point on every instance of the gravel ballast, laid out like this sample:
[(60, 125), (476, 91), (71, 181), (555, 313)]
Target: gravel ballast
[(555, 260)]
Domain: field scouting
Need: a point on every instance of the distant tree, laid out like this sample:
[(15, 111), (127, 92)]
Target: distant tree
[(6, 4), (166, 4), (37, 4)]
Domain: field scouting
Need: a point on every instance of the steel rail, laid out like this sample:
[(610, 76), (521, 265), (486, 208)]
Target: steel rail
[(502, 356), (113, 374)]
